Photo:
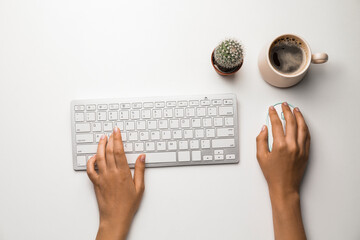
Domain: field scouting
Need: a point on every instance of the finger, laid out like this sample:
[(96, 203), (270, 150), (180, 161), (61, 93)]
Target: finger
[(110, 159), (262, 148), (139, 174), (120, 158), (291, 127), (90, 169), (100, 154), (276, 125), (303, 131)]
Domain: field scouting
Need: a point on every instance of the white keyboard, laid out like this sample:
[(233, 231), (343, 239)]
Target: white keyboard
[(171, 131)]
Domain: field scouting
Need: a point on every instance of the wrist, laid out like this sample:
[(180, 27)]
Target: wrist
[(281, 198), (112, 230)]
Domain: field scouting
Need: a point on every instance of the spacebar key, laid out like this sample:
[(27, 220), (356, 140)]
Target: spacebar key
[(154, 157)]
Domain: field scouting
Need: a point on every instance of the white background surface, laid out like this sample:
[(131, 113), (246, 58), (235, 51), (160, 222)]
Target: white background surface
[(54, 51)]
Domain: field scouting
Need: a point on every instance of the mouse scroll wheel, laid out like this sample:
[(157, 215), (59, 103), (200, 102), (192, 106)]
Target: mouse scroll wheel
[(282, 116)]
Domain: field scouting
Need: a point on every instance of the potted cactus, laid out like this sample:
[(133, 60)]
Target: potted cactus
[(228, 57)]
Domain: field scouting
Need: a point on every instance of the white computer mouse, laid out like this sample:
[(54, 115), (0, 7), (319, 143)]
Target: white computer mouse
[(282, 119)]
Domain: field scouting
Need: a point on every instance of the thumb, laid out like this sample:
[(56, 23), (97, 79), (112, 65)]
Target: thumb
[(139, 174), (262, 148)]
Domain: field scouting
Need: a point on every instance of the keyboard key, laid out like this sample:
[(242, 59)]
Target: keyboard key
[(144, 136), (190, 112), (177, 134), (86, 149), (148, 105), (179, 112), (230, 156), (171, 104), (212, 111), (161, 146), (160, 104), (195, 122), (90, 117), (205, 102), (130, 125), (188, 133), (184, 156), (163, 157), (185, 123), (102, 106), (225, 132), (168, 113), (205, 144), (216, 102), (125, 105), (81, 160), (199, 133), (174, 123), (223, 143), (163, 124), (124, 115), (108, 126), (207, 122), (207, 158), (219, 152), (196, 155), (140, 125), (229, 121), (218, 122), (128, 147), (79, 117), (101, 116), (182, 103), (96, 127), (146, 113), (133, 136), (79, 107), (84, 138), (137, 105), (228, 102), (151, 124), (210, 133), (219, 157), (194, 103), (139, 147), (194, 144), (183, 145), (113, 106), (150, 146), (200, 112), (226, 111), (135, 114), (155, 135), (82, 127), (91, 107), (157, 113), (172, 145)]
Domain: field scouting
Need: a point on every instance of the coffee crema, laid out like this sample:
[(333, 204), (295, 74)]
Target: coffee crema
[(287, 55)]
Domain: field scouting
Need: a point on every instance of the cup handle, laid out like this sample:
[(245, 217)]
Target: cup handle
[(319, 58)]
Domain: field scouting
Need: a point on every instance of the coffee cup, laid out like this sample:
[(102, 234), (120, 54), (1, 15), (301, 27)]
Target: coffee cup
[(285, 61)]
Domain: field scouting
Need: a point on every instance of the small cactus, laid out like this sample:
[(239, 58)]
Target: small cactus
[(229, 54)]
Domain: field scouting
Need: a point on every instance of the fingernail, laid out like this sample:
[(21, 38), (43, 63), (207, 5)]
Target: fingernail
[(297, 109), (102, 137), (142, 158), (263, 128), (285, 103), (272, 108), (116, 129)]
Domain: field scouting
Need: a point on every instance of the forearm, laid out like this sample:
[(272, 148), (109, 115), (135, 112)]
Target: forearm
[(287, 216)]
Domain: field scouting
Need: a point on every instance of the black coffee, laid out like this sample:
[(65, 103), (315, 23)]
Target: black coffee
[(287, 56)]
